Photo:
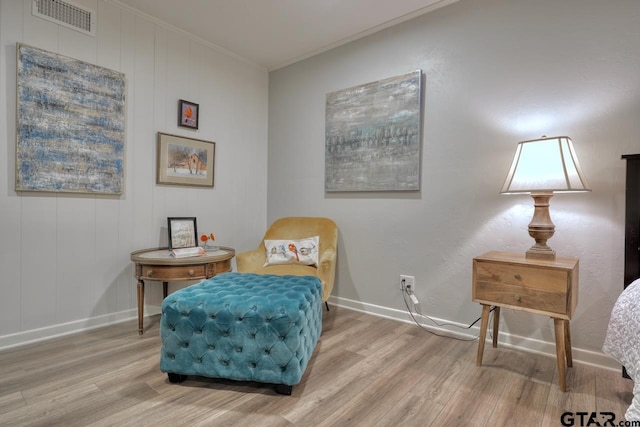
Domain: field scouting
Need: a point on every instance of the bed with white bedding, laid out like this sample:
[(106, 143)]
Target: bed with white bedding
[(622, 341)]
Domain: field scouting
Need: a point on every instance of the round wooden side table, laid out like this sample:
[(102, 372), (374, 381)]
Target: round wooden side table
[(158, 265)]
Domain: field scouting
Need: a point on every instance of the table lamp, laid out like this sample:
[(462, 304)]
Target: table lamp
[(542, 167)]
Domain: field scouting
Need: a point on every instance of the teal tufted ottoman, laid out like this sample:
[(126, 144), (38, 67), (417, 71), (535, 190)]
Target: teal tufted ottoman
[(244, 327)]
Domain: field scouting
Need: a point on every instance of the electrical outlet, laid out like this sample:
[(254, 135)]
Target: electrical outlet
[(409, 282)]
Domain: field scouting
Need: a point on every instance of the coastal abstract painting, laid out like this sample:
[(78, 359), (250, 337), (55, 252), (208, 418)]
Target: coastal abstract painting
[(70, 125), (372, 136)]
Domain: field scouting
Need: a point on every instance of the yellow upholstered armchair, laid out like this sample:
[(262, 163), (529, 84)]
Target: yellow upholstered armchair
[(297, 228)]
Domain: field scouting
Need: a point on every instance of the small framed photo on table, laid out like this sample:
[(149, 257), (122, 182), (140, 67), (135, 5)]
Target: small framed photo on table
[(183, 232), (188, 114)]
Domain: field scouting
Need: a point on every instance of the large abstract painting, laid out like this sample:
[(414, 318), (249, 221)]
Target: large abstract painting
[(372, 136), (71, 125)]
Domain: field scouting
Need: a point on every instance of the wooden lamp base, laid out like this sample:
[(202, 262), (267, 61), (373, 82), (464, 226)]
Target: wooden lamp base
[(541, 228)]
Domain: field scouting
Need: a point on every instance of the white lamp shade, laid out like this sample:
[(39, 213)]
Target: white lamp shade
[(545, 165)]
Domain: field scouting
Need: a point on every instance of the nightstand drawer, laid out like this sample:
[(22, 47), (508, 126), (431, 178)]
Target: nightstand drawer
[(517, 275), (522, 297), (169, 273)]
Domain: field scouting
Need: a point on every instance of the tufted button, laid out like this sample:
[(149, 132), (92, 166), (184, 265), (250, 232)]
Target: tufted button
[(267, 351), (185, 344), (252, 364), (225, 334), (224, 362), (212, 347), (281, 338), (213, 316), (239, 349), (252, 336), (198, 331)]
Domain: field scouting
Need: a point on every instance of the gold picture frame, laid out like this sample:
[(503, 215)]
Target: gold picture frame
[(185, 161)]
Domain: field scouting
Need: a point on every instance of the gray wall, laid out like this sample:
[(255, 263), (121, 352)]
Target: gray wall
[(497, 72), (64, 260)]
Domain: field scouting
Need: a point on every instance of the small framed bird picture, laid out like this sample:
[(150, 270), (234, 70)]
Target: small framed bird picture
[(188, 114)]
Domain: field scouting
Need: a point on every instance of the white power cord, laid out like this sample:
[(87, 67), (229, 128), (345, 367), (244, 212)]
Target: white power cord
[(407, 291)]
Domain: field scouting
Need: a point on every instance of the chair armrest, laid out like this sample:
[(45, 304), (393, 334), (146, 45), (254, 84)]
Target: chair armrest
[(326, 271), (250, 261)]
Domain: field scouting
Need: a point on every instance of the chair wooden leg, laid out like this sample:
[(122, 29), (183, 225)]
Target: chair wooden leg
[(326, 304)]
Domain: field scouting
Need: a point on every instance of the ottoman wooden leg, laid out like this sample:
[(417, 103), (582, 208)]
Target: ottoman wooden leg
[(176, 378), (284, 389)]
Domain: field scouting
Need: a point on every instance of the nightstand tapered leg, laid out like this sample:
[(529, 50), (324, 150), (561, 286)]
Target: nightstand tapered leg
[(567, 343), (496, 322), (560, 352), (484, 323)]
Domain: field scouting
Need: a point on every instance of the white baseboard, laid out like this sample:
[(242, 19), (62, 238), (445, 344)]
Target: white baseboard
[(54, 331), (581, 356)]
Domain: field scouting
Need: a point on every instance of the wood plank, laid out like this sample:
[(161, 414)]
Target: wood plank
[(365, 371)]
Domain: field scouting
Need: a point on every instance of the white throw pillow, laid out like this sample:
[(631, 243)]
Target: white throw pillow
[(301, 251)]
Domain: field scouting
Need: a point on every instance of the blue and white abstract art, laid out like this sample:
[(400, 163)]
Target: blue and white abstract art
[(372, 136), (71, 125)]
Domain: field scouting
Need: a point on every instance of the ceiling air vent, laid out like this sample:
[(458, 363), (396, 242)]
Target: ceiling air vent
[(67, 14)]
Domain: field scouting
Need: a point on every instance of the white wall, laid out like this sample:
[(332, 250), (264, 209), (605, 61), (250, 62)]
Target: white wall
[(64, 260), (497, 72)]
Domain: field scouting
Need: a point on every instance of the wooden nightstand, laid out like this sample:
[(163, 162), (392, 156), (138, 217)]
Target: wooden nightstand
[(550, 288)]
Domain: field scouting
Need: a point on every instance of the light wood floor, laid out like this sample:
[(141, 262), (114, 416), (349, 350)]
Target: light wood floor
[(365, 371)]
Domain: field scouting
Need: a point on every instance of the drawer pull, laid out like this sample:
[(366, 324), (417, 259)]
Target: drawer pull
[(517, 297), (518, 277), (150, 273), (191, 272)]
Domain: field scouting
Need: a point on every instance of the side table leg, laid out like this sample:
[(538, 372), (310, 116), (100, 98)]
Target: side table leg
[(496, 323), (560, 352), (483, 332), (140, 305)]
